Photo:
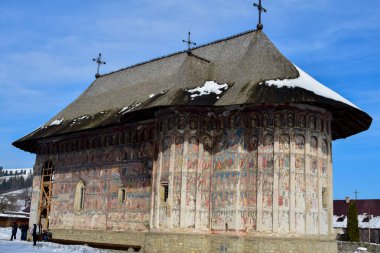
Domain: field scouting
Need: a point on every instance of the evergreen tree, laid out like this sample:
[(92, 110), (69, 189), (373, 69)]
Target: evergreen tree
[(352, 223)]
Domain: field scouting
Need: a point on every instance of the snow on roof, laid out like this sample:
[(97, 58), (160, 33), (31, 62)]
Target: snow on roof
[(309, 83), (56, 122), (208, 88), (374, 222), (77, 120)]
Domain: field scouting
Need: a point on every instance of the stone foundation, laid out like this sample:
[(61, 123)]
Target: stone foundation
[(100, 236), (164, 242), (154, 242)]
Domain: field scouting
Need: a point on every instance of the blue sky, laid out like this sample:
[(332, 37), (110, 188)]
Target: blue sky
[(46, 51)]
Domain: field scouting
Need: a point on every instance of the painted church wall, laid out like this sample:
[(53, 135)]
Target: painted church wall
[(251, 170), (106, 170), (246, 171)]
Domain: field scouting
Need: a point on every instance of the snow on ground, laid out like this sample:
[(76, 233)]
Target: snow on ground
[(17, 192), (17, 246), (308, 83), (17, 197)]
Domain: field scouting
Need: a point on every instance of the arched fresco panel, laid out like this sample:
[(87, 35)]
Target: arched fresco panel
[(267, 182), (177, 181), (283, 160), (248, 183), (191, 184), (300, 183)]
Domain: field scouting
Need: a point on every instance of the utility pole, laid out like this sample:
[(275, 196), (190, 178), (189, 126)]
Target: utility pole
[(356, 194)]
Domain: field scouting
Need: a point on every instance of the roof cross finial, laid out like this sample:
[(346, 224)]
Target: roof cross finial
[(99, 61), (189, 42), (356, 194), (261, 9)]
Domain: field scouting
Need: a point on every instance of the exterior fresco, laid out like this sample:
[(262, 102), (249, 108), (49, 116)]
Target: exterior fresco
[(105, 167), (249, 170)]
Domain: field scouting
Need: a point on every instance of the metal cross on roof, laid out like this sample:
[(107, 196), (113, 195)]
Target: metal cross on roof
[(189, 43), (99, 61), (261, 9)]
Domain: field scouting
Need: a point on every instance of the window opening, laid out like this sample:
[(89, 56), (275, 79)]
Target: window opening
[(80, 193), (121, 195), (164, 191)]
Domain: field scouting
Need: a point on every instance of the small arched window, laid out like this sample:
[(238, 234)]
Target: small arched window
[(80, 193)]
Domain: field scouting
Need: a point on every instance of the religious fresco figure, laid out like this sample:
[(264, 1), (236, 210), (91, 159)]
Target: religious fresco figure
[(300, 163), (172, 122), (313, 165), (252, 143), (254, 121), (313, 144), (268, 143), (181, 122), (193, 145), (300, 142), (206, 123), (312, 122), (179, 141), (302, 121), (277, 120), (324, 147), (265, 120), (323, 167), (193, 122), (207, 145), (290, 120), (206, 163), (232, 121), (284, 142), (238, 120)]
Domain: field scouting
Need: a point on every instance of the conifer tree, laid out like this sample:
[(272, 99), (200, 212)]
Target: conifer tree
[(352, 223)]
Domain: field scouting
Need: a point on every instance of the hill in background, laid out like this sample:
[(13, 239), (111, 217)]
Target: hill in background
[(15, 189)]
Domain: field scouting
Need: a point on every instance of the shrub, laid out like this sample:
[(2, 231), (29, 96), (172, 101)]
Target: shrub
[(352, 223)]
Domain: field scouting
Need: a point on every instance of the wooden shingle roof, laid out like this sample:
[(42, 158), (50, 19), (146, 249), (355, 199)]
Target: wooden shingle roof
[(244, 62)]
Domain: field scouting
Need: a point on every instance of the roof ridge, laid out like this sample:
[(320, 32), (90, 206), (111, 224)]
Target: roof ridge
[(179, 52)]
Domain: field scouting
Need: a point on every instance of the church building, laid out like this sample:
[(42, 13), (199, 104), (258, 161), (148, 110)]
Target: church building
[(224, 147)]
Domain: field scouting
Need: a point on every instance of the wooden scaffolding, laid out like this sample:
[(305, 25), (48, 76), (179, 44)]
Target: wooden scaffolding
[(47, 179)]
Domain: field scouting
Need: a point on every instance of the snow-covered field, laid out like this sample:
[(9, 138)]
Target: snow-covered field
[(17, 246), (17, 198)]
